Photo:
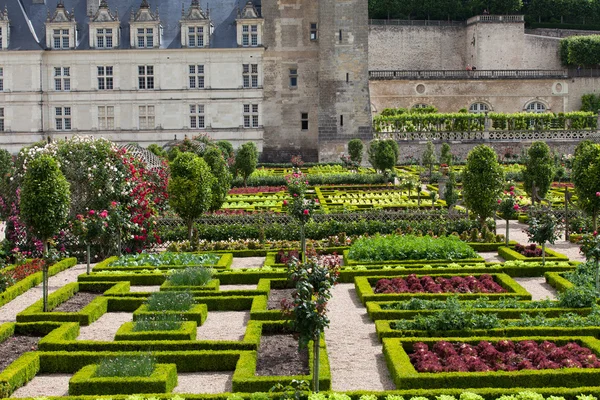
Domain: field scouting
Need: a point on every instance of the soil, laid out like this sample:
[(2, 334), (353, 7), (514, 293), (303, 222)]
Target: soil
[(13, 347), (277, 295), (77, 302), (279, 355)]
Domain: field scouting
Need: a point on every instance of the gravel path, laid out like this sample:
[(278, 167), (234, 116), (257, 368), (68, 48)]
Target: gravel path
[(247, 262), (9, 311), (45, 385), (204, 382), (225, 288), (224, 325), (138, 289), (538, 288), (105, 327), (355, 354)]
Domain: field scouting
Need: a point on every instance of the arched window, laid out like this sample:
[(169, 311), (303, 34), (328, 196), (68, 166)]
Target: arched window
[(477, 108), (536, 107), (420, 105)]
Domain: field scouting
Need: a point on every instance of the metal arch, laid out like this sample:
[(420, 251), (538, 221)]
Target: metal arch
[(144, 155)]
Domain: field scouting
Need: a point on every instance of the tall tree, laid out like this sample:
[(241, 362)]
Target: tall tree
[(585, 173), (222, 183), (539, 170), (246, 160)]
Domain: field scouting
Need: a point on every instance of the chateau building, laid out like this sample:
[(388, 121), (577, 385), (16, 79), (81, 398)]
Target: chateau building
[(290, 75)]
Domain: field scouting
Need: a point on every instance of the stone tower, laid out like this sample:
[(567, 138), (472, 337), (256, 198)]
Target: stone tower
[(316, 93)]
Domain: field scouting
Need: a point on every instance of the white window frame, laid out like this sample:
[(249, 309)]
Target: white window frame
[(146, 77), (196, 36), (250, 76), (196, 77), (106, 118), (147, 117), (1, 76), (293, 77), (62, 79), (145, 38), (197, 116), (61, 37), (1, 39), (314, 31), (250, 116), (536, 107), (106, 80), (2, 119), (245, 35), (478, 108), (104, 38), (63, 118), (253, 35)]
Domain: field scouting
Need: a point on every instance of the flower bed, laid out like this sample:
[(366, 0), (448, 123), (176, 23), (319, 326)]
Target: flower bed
[(511, 254), (426, 284), (505, 355)]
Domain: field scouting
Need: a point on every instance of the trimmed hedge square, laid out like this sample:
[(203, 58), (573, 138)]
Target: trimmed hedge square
[(212, 285), (187, 331), (349, 261), (197, 313), (508, 253), (84, 382)]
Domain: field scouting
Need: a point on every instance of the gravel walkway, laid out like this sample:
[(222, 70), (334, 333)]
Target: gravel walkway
[(247, 262), (138, 289), (538, 288), (224, 325), (45, 385), (225, 288), (105, 327), (355, 354), (9, 311), (204, 382)]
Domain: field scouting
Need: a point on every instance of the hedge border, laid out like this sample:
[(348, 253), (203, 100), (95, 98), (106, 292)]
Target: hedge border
[(558, 282), (259, 310), (350, 262), (245, 378), (197, 313), (162, 380), (509, 253), (187, 331), (224, 262), (365, 292), (34, 279), (212, 285), (405, 376), (90, 313)]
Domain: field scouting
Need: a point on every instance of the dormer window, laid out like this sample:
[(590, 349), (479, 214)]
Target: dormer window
[(249, 26), (4, 29), (104, 38), (60, 39), (104, 28), (145, 38), (145, 29), (195, 26), (61, 29), (196, 36)]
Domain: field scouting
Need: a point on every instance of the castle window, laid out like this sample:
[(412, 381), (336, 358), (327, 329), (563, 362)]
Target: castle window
[(536, 107), (304, 121), (293, 78), (197, 116), (105, 78), (196, 36), (254, 35), (62, 78), (106, 117), (420, 105), (60, 38), (145, 37), (145, 77), (196, 76), (245, 35), (314, 32), (62, 118), (477, 108), (104, 38), (146, 117), (1, 79), (1, 119), (250, 115), (1, 39), (250, 75)]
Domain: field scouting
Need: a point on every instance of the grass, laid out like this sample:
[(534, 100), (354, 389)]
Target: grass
[(192, 276), (170, 301), (135, 365), (160, 322)]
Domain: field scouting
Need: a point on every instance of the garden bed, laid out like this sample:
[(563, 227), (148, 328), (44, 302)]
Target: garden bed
[(509, 253)]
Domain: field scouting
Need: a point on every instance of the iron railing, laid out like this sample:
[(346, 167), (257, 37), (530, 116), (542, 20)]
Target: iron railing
[(464, 74)]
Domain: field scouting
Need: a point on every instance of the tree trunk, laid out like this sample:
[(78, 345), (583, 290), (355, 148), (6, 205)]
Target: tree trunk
[(190, 226), (543, 254), (302, 244), (595, 221), (316, 349), (87, 270), (597, 277), (45, 278), (506, 237)]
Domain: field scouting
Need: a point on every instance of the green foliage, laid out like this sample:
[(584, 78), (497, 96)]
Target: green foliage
[(451, 194), (190, 188), (577, 297), (383, 154), (192, 276), (543, 228), (221, 185), (585, 173), (130, 365), (590, 102), (45, 197), (409, 247), (166, 258), (482, 181), (226, 148), (157, 322), (170, 301), (428, 158), (157, 150), (580, 50), (355, 149), (539, 169), (446, 154), (246, 160), (505, 303)]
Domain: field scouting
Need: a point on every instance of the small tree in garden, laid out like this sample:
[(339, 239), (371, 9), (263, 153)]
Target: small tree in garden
[(221, 185), (428, 158), (482, 182), (45, 201), (90, 228), (190, 188), (299, 207), (314, 281), (508, 208), (383, 154), (590, 247), (355, 150), (585, 173), (246, 160), (226, 148), (445, 154), (542, 229), (451, 194), (539, 170)]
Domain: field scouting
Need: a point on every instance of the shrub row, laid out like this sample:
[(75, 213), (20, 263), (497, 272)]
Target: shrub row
[(187, 331)]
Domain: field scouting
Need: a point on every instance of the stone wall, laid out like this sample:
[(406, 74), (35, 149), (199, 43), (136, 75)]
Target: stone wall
[(541, 52), (560, 33)]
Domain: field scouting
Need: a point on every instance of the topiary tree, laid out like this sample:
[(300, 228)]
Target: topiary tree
[(585, 173), (383, 154), (482, 182), (355, 149), (539, 170), (45, 202), (190, 188), (450, 194), (222, 182), (226, 148), (428, 158), (542, 229), (446, 154), (508, 208), (246, 160)]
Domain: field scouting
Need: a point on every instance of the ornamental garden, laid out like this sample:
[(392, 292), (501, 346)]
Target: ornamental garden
[(195, 273)]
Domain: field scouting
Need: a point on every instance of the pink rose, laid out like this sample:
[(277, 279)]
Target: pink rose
[(512, 188), (516, 207), (285, 203), (113, 204), (306, 212), (295, 194), (499, 201), (597, 194), (92, 212), (104, 214)]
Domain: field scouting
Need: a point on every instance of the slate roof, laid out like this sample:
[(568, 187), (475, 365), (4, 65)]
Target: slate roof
[(222, 15)]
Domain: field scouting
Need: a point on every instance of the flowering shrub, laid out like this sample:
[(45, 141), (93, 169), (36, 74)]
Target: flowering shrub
[(19, 272), (530, 250), (426, 284), (297, 161), (505, 355)]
